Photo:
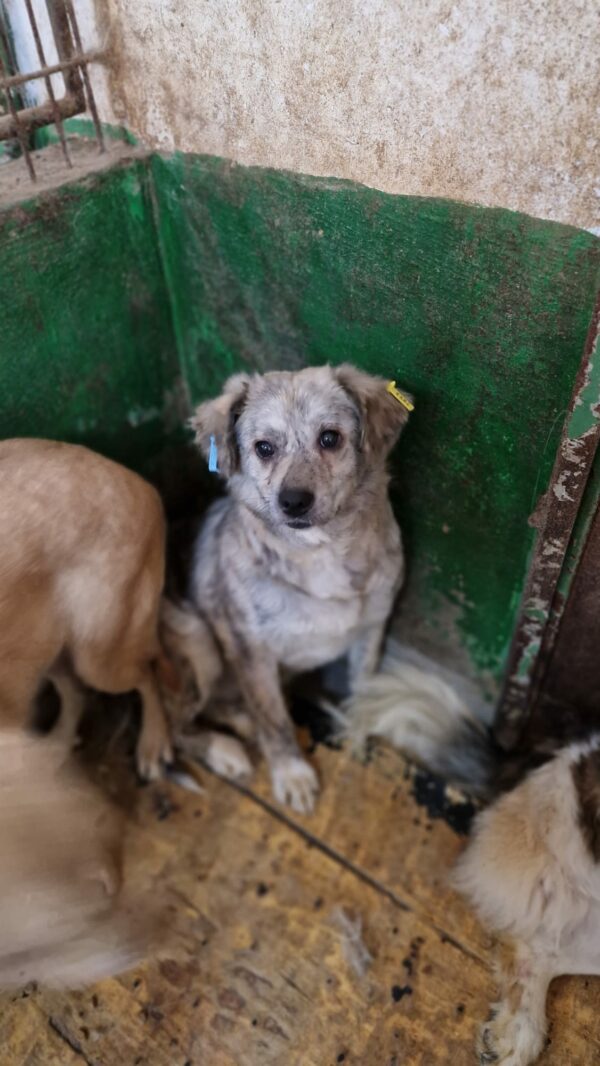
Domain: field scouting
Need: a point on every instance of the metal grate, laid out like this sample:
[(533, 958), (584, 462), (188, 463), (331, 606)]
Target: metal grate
[(18, 119)]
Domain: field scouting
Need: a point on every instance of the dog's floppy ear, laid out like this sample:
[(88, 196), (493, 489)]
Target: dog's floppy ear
[(382, 415), (216, 420)]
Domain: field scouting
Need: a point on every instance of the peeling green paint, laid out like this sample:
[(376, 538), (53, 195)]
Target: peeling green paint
[(185, 269), (586, 412), (585, 518), (528, 659)]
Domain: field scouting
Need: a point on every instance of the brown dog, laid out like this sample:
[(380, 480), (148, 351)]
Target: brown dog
[(81, 575)]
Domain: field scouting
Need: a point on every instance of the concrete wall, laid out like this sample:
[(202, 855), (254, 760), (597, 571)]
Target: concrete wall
[(483, 100)]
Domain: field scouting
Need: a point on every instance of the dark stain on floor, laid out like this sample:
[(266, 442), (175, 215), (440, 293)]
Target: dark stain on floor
[(433, 794)]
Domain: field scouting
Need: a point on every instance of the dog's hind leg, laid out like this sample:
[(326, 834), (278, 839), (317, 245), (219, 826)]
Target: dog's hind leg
[(72, 703), (234, 718), (184, 633), (123, 668), (154, 744), (118, 654), (222, 753)]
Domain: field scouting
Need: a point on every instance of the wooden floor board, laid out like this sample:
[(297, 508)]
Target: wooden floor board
[(369, 818), (269, 914)]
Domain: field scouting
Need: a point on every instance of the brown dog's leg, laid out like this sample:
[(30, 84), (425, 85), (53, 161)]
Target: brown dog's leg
[(117, 669), (185, 634), (154, 744)]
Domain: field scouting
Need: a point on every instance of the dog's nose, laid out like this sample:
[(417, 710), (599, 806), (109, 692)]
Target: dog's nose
[(296, 502)]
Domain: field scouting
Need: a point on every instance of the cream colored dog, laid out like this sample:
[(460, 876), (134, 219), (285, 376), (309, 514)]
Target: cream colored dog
[(532, 872), (62, 918), (81, 575)]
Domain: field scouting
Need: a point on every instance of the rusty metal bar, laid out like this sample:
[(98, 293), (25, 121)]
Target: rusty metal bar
[(65, 46), (48, 81), (19, 130), (33, 118), (72, 64), (86, 78), (14, 80)]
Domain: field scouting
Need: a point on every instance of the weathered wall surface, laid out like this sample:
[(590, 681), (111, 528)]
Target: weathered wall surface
[(122, 284), (481, 100), (87, 352), (481, 314)]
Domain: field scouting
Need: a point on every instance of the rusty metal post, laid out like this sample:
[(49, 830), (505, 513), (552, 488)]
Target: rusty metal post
[(19, 130), (47, 80), (554, 518)]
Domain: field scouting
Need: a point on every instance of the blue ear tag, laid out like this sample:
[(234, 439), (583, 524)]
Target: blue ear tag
[(213, 454)]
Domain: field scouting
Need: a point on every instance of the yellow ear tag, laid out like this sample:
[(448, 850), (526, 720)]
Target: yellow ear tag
[(399, 396)]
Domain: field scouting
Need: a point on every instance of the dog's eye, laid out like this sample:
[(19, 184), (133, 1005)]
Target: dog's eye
[(263, 449), (330, 438)]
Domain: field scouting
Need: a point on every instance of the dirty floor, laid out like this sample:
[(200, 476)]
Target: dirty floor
[(295, 941)]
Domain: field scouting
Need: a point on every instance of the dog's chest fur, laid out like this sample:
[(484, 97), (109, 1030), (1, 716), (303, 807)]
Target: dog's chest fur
[(311, 615), (306, 606)]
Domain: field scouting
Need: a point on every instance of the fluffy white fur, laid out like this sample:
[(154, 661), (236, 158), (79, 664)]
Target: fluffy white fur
[(426, 711)]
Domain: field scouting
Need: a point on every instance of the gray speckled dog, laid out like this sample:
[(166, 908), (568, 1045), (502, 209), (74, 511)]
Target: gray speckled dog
[(300, 563)]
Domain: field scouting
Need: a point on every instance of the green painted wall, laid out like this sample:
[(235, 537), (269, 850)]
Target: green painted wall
[(86, 341), (481, 313), (191, 267)]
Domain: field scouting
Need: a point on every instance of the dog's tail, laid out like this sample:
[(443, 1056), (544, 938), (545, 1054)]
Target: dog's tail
[(431, 714)]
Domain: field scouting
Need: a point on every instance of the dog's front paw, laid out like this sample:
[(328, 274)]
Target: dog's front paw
[(510, 1039), (295, 783)]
